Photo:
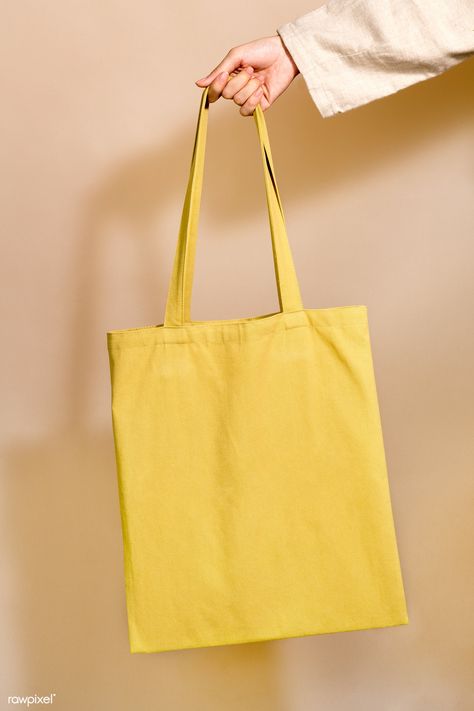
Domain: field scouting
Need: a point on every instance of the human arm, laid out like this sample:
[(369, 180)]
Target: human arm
[(349, 52)]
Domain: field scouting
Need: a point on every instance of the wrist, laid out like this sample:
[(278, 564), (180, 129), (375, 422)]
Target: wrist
[(288, 55)]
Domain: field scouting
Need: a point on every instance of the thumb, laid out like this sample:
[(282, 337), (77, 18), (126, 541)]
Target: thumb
[(230, 62), (205, 81)]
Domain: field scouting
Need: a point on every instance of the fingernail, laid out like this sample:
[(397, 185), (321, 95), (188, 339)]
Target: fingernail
[(249, 70)]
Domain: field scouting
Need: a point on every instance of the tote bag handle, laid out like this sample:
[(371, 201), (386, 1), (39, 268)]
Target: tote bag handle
[(178, 305)]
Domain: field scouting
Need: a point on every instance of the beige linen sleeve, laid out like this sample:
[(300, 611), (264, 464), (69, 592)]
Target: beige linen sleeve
[(350, 52)]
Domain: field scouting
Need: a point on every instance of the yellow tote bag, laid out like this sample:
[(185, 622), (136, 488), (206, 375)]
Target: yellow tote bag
[(253, 485)]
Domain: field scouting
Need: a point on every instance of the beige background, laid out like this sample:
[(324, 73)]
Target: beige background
[(97, 124)]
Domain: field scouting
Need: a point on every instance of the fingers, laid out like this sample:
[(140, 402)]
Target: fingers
[(217, 86), (237, 82), (241, 96), (230, 62), (228, 85), (232, 81), (249, 106)]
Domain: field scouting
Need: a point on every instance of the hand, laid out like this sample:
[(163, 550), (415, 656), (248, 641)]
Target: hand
[(251, 74)]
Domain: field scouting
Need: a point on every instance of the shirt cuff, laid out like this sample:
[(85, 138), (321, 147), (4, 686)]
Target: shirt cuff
[(306, 59)]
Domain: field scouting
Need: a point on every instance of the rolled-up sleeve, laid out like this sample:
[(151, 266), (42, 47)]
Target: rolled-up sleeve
[(351, 52)]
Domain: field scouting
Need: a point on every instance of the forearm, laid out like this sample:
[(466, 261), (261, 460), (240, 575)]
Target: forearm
[(351, 52)]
